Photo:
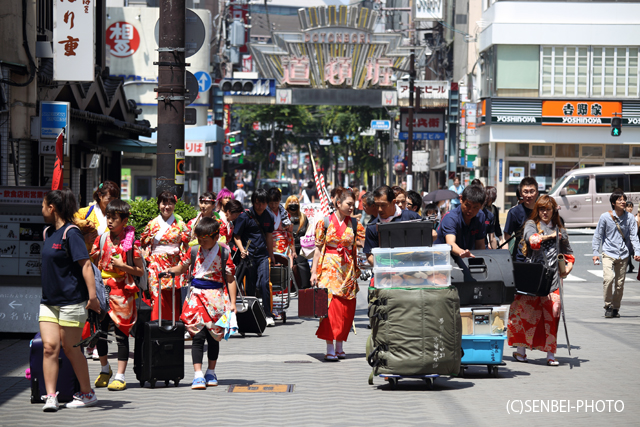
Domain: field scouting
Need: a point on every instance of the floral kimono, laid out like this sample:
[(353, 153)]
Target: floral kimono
[(191, 226)]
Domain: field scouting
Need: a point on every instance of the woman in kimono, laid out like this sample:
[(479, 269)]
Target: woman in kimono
[(335, 267), (533, 320), (167, 238), (207, 202)]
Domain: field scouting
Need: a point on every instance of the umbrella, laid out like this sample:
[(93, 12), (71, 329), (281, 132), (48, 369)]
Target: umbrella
[(439, 195)]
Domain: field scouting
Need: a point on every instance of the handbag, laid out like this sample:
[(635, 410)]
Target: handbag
[(534, 279), (562, 266)]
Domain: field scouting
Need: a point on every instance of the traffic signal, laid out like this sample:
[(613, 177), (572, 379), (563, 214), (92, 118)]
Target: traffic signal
[(236, 85), (616, 126)]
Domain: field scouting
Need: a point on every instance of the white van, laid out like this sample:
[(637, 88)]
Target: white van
[(583, 194)]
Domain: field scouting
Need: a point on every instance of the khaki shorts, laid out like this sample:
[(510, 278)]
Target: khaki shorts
[(73, 316)]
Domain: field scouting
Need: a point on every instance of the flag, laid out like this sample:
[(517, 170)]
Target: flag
[(320, 186), (56, 182)]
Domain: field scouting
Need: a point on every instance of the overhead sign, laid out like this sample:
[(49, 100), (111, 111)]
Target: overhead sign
[(428, 89), (579, 113), (422, 136), (123, 39), (53, 117), (194, 149), (336, 48), (423, 122), (204, 80), (73, 41), (380, 124)]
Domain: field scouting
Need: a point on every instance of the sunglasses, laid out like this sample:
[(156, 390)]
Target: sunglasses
[(293, 207)]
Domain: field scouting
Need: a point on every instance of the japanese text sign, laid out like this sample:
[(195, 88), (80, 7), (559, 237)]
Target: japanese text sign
[(579, 113), (194, 148), (423, 122), (123, 39), (73, 40), (428, 89)]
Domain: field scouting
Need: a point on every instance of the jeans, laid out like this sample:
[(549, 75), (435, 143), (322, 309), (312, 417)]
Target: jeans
[(258, 278), (613, 270)]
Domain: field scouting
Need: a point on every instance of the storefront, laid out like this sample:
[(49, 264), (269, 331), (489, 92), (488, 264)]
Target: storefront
[(547, 138)]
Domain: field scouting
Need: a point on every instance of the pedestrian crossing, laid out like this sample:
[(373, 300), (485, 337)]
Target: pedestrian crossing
[(597, 273)]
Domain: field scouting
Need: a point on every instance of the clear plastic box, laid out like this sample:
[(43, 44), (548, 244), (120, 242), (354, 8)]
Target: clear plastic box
[(412, 277), (484, 320), (425, 256)]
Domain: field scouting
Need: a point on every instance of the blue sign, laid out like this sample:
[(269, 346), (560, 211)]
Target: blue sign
[(336, 139), (272, 157), (380, 124), (53, 117), (500, 171), (204, 81), (419, 136)]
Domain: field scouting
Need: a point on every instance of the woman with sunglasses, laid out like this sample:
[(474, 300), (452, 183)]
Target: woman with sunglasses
[(298, 220)]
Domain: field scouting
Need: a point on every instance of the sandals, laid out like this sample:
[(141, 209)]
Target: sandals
[(341, 355), (552, 362), (520, 358), (330, 357)]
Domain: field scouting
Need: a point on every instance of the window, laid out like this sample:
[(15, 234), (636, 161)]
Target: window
[(542, 150), (614, 71), (605, 184), (635, 151), (591, 151), (577, 185), (520, 150), (566, 150), (619, 151), (634, 183), (564, 71)]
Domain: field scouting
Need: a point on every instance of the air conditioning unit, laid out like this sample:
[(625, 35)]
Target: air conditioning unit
[(90, 161)]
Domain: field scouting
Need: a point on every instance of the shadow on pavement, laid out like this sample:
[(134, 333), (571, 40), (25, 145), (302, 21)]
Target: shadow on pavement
[(105, 405), (320, 356), (413, 384), (231, 381)]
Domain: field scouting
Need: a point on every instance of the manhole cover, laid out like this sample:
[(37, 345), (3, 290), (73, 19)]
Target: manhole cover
[(261, 388)]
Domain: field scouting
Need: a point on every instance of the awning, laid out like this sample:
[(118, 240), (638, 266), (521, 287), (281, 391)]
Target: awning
[(206, 134), (128, 145)]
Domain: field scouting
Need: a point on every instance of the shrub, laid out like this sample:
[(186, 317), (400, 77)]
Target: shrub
[(143, 211)]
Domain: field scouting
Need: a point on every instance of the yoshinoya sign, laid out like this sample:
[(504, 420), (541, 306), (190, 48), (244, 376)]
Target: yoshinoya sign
[(579, 113), (336, 48)]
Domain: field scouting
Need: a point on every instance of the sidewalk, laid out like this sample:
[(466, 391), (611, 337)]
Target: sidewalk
[(603, 366)]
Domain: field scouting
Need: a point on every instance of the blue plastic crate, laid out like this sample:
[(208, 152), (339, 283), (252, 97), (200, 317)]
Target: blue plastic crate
[(482, 349)]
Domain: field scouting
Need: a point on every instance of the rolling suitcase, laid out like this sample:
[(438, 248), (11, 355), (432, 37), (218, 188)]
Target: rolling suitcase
[(302, 272), (67, 382), (162, 349), (250, 316), (144, 316), (313, 303)]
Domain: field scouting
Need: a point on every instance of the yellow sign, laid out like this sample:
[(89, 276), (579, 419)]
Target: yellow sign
[(261, 388)]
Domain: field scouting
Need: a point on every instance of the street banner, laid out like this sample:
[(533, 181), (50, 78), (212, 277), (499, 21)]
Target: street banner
[(56, 182)]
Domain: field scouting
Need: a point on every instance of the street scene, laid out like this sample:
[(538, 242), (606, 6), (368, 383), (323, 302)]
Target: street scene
[(329, 212)]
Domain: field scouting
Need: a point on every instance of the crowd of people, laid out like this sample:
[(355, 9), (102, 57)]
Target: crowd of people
[(201, 255)]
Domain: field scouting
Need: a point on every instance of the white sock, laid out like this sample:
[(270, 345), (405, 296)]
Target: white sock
[(551, 355), (522, 351), (198, 374), (330, 349), (105, 369), (339, 346), (120, 377), (211, 372)]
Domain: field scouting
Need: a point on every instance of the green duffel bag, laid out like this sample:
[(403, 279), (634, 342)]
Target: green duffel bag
[(415, 331)]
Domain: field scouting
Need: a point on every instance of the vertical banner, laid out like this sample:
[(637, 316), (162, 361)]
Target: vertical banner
[(179, 167), (56, 181), (73, 40)]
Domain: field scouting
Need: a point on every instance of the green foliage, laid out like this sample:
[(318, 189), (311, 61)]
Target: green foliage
[(143, 211)]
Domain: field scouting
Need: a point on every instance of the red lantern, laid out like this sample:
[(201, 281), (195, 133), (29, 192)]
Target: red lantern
[(399, 167)]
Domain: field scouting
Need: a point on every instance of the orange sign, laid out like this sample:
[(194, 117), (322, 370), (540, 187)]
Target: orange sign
[(481, 113), (579, 113)]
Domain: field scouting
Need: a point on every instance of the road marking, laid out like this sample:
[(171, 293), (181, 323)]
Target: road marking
[(599, 274), (579, 241), (572, 278)]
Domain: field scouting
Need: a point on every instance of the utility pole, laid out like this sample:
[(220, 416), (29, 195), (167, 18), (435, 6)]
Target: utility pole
[(171, 95), (412, 77)]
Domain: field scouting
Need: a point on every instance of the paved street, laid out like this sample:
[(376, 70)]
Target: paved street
[(602, 366)]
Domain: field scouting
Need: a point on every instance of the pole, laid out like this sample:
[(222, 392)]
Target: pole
[(390, 152), (171, 94), (412, 76)]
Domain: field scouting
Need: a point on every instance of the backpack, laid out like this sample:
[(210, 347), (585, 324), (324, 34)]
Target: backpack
[(101, 291)]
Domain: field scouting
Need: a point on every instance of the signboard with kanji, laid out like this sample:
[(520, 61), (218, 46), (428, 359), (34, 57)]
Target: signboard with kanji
[(123, 39), (423, 122), (579, 113), (73, 40)]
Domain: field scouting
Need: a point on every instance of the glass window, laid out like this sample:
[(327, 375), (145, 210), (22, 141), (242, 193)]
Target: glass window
[(605, 184), (562, 168), (635, 151), (567, 150), (542, 150), (614, 71), (543, 173), (634, 183), (619, 151), (514, 180), (519, 150), (591, 151), (564, 70), (577, 185)]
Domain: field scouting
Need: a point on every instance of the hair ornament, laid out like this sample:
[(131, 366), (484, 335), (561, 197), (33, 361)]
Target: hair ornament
[(100, 186), (175, 198)]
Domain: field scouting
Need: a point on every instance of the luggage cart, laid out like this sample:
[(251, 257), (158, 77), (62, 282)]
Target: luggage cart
[(393, 379), (281, 278), (485, 344)]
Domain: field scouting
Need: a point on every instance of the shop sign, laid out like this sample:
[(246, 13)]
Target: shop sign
[(579, 113), (194, 149), (22, 195), (73, 40), (516, 173), (481, 113), (423, 122), (428, 89), (123, 39)]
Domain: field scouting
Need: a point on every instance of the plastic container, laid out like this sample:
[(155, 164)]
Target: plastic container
[(484, 320), (412, 277), (482, 349), (423, 256)]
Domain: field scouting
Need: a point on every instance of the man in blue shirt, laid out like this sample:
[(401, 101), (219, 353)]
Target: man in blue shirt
[(519, 214), (463, 228), (256, 224), (388, 211), (617, 231), (458, 188)]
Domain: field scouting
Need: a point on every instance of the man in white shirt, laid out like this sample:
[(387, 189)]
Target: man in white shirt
[(240, 194)]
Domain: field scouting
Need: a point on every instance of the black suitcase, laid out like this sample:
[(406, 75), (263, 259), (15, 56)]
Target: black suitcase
[(486, 279), (67, 384), (302, 272), (405, 234), (250, 315), (162, 347), (144, 316)]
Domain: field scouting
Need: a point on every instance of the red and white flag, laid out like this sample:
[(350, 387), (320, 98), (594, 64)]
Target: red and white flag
[(56, 182), (320, 186)]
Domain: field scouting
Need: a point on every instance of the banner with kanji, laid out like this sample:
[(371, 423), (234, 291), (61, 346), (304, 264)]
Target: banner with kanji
[(56, 182)]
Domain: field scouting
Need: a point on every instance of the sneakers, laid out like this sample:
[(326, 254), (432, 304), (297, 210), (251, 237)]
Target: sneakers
[(95, 355), (270, 321), (90, 352), (117, 385), (608, 313), (199, 384), (80, 400), (211, 379), (103, 379), (51, 403), (615, 313)]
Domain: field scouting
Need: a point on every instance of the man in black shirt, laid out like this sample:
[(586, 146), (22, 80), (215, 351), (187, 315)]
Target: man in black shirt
[(519, 214)]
